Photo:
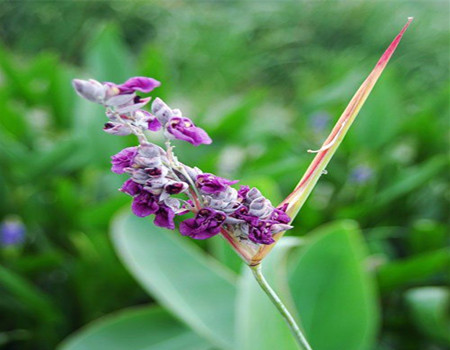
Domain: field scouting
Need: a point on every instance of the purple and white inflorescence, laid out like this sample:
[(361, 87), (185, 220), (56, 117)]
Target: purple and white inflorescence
[(163, 186)]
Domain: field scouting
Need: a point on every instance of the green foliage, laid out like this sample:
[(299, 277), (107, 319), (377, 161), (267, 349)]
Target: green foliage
[(149, 328), (255, 75)]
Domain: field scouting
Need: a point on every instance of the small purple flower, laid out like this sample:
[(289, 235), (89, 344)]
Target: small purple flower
[(12, 232), (242, 214), (130, 187), (142, 84), (184, 129), (123, 159), (206, 224), (145, 204), (320, 121), (279, 215), (164, 217), (361, 174), (261, 233), (211, 184)]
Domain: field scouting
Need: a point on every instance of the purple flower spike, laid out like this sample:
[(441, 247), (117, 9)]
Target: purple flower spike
[(164, 217), (184, 129), (206, 224), (211, 184), (144, 204), (142, 84), (123, 159)]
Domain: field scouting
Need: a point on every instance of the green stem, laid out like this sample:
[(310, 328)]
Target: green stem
[(275, 299)]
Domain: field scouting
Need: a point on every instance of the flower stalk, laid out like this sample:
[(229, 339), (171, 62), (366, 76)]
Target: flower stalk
[(275, 299)]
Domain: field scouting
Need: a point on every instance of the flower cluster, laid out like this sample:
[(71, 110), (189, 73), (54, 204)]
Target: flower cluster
[(164, 187)]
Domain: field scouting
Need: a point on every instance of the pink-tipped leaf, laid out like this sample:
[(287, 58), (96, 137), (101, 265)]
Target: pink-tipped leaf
[(303, 189)]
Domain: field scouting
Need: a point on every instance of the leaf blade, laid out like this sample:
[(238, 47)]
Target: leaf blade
[(142, 328), (334, 295), (307, 183)]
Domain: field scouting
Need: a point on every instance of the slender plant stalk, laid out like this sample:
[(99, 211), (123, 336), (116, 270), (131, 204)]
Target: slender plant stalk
[(275, 299)]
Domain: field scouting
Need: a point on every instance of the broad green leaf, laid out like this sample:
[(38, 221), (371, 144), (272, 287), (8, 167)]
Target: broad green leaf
[(195, 288), (143, 328), (414, 269), (259, 324), (429, 308), (301, 192), (332, 290)]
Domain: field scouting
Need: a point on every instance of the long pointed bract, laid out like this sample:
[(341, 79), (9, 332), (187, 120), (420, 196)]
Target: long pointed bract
[(301, 192)]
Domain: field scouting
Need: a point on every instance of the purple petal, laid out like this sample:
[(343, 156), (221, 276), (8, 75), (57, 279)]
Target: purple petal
[(154, 124), (188, 228), (211, 184), (144, 204), (142, 84), (130, 187), (279, 215), (207, 223), (164, 217), (123, 159), (184, 129), (260, 235), (242, 192)]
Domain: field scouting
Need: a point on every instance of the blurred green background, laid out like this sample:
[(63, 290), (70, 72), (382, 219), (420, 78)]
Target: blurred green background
[(267, 80)]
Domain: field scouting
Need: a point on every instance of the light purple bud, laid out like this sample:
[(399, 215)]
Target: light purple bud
[(134, 105), (90, 89), (161, 111), (142, 84), (118, 129), (120, 100)]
